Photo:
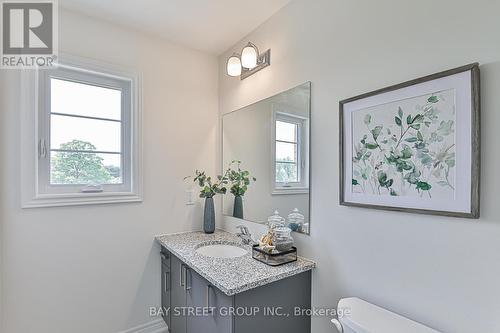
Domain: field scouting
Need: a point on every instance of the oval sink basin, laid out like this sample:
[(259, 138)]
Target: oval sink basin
[(221, 251)]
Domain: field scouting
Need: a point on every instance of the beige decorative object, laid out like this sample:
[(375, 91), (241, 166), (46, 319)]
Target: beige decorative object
[(266, 241)]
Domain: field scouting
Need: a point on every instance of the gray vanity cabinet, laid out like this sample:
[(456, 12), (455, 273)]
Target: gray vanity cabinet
[(190, 292)]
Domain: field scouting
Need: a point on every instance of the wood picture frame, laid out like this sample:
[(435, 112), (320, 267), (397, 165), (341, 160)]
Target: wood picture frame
[(456, 126)]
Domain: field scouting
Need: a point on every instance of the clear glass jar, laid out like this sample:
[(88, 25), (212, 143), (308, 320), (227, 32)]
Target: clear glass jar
[(282, 238), (282, 232), (295, 220), (275, 221)]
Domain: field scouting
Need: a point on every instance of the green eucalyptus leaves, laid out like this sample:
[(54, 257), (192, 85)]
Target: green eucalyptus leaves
[(234, 178)]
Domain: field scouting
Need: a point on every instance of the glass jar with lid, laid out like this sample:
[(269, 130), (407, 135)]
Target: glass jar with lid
[(275, 221), (295, 220), (282, 238)]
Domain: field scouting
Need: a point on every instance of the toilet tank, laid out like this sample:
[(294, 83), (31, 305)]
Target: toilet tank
[(363, 317)]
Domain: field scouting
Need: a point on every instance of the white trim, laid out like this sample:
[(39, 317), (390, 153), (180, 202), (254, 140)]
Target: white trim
[(290, 190), (55, 200), (154, 326), (31, 196)]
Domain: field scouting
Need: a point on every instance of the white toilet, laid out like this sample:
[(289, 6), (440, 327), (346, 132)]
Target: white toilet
[(363, 317)]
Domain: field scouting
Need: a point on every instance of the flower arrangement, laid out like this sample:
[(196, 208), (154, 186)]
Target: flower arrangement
[(209, 188), (234, 177)]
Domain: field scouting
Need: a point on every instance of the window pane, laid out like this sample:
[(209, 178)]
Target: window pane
[(286, 131), (286, 173), (74, 133), (85, 168), (85, 100), (286, 152)]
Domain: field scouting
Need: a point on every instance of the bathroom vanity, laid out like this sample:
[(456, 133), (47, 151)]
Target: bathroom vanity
[(213, 289)]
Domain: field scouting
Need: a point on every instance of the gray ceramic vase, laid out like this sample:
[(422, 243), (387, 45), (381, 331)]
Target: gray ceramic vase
[(209, 216), (238, 207)]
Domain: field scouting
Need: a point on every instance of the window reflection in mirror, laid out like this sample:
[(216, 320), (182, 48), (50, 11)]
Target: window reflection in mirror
[(271, 138)]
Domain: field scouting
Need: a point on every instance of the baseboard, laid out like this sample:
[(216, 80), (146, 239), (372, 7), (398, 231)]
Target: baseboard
[(154, 326)]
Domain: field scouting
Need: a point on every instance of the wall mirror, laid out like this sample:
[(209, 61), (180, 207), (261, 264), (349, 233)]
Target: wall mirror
[(271, 139)]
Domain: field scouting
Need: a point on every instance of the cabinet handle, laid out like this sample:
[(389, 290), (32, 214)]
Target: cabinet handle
[(166, 281), (42, 149), (181, 277), (184, 282), (209, 288), (189, 278)]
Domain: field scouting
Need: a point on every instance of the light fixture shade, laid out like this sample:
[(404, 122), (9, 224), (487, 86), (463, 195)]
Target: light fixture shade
[(234, 66), (249, 56)]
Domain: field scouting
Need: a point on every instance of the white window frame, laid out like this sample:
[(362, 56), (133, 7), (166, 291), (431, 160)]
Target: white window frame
[(302, 186), (36, 187)]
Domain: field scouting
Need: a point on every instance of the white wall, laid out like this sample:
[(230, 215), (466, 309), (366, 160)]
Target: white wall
[(440, 271), (96, 268)]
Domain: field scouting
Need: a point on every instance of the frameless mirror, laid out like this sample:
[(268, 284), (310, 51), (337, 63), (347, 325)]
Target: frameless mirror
[(271, 140)]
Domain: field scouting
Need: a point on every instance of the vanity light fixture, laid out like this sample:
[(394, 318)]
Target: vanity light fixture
[(249, 56), (234, 65), (249, 63)]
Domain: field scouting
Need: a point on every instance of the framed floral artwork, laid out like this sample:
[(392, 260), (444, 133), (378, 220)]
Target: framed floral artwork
[(415, 146)]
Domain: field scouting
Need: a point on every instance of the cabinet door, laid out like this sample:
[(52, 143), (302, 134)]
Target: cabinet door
[(282, 297), (165, 293), (177, 296), (210, 306)]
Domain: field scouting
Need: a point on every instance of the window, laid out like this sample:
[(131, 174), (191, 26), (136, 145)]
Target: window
[(88, 137), (290, 153), (287, 152), (85, 134)]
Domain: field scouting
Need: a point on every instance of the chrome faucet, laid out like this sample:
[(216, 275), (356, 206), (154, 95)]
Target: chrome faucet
[(245, 235)]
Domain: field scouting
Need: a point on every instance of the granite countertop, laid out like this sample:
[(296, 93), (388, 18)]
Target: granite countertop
[(230, 275)]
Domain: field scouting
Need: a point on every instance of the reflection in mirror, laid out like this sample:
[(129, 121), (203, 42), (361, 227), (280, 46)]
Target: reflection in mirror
[(271, 139)]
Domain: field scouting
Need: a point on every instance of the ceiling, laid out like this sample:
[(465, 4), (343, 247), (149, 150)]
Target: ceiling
[(207, 25)]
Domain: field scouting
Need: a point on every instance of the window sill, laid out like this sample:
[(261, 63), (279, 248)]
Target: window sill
[(290, 190), (79, 199)]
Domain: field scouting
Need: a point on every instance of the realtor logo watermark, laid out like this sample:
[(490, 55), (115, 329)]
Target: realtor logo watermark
[(29, 34)]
